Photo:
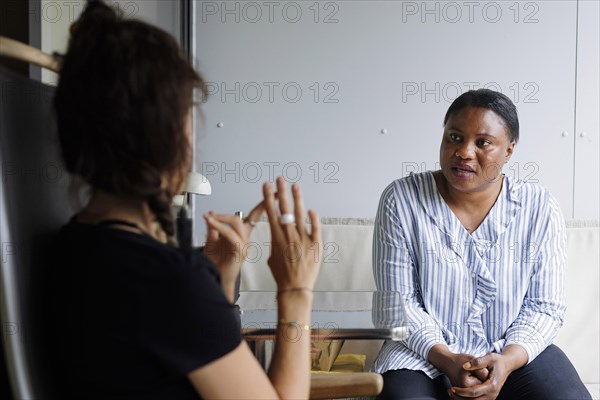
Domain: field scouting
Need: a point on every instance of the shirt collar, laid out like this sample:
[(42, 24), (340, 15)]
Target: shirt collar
[(498, 220)]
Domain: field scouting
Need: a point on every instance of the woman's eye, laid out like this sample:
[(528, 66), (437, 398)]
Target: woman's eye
[(483, 143), (454, 138)]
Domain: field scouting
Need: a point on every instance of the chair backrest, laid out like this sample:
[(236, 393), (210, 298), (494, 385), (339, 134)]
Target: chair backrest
[(33, 204)]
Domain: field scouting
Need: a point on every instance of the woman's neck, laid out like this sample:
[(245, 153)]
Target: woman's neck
[(105, 206), (482, 200)]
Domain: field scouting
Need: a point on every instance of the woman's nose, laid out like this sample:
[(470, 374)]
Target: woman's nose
[(464, 151)]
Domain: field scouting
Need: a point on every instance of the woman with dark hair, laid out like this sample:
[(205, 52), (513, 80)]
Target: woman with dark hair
[(479, 259), (131, 315)]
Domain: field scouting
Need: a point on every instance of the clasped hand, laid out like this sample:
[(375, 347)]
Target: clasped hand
[(479, 378)]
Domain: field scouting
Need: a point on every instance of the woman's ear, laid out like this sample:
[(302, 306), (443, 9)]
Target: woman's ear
[(509, 151)]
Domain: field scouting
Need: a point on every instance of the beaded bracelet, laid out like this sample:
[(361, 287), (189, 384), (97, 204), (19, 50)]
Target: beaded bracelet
[(294, 324)]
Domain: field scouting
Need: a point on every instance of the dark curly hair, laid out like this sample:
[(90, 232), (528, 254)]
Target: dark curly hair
[(124, 92), (490, 100)]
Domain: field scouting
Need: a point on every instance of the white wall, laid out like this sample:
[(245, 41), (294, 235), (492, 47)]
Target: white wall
[(364, 66)]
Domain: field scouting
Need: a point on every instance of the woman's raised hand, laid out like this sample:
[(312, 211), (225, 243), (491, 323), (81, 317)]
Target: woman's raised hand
[(226, 244), (295, 253)]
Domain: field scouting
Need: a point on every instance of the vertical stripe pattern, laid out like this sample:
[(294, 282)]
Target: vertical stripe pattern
[(475, 293)]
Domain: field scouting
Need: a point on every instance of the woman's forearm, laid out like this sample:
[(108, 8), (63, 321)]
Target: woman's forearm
[(515, 356), (441, 357), (290, 367), (448, 362), (229, 290)]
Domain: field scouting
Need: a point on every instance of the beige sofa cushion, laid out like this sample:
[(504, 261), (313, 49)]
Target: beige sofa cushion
[(347, 266), (579, 337), (346, 257)]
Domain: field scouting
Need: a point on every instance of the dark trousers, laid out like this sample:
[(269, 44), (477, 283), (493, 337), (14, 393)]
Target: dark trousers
[(551, 376)]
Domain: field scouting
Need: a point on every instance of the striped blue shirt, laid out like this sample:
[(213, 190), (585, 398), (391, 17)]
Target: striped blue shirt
[(476, 293)]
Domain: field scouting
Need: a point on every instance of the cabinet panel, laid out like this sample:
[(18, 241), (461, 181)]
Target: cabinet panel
[(56, 16), (587, 128)]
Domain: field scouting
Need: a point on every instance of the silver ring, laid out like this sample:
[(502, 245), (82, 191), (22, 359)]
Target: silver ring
[(286, 219)]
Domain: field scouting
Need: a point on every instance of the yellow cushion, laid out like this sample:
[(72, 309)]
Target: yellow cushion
[(346, 363)]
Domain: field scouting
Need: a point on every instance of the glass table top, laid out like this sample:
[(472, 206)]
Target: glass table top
[(335, 315)]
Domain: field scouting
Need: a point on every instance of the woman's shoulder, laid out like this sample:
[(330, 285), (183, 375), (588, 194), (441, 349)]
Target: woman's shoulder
[(534, 200), (104, 237), (530, 192), (128, 252), (412, 183), (409, 196)]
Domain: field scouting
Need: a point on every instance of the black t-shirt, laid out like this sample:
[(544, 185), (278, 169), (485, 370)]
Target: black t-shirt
[(130, 317)]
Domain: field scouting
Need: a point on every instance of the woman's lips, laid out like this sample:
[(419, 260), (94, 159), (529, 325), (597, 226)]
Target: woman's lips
[(464, 171), (463, 167)]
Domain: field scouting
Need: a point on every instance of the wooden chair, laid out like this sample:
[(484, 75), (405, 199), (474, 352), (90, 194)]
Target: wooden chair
[(20, 51), (336, 386)]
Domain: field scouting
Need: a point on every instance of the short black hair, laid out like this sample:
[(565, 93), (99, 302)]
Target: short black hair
[(491, 100)]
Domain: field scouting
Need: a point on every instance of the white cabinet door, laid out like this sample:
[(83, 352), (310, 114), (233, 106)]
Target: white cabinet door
[(587, 126), (55, 18), (304, 89)]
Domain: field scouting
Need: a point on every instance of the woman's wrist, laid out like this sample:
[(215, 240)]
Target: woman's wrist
[(229, 290), (295, 306), (514, 357), (293, 289), (441, 357), (299, 295)]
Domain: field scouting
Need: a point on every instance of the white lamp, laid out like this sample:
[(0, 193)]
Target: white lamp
[(196, 184)]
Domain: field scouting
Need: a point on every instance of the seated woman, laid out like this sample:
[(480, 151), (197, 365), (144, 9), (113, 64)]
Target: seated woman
[(479, 260), (134, 317)]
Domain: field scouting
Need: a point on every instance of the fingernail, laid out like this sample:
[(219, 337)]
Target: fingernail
[(467, 365)]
